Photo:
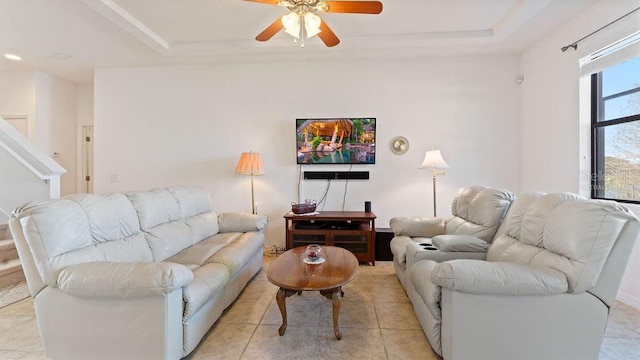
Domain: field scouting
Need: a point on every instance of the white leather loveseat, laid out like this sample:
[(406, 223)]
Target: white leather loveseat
[(139, 275), (476, 215), (544, 291)]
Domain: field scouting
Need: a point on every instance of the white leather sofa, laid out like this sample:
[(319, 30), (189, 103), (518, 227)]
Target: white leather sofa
[(476, 214), (139, 275), (544, 291)]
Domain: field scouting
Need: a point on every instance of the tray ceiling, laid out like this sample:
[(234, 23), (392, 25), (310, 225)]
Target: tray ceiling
[(70, 38)]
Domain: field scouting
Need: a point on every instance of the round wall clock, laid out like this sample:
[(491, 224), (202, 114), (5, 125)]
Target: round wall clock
[(399, 145)]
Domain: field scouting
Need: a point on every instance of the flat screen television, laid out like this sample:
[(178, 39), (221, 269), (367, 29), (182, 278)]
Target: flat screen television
[(336, 141)]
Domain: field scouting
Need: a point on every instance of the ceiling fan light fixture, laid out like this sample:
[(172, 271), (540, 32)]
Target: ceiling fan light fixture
[(285, 3), (302, 22), (312, 24), (322, 6), (291, 23)]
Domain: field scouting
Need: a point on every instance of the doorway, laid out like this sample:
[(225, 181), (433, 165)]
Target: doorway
[(85, 183)]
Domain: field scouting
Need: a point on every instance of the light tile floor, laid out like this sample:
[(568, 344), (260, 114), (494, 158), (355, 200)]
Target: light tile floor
[(376, 320)]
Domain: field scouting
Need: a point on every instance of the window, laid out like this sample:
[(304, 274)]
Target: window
[(615, 126)]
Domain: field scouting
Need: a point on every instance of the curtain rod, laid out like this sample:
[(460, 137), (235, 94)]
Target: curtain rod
[(574, 44)]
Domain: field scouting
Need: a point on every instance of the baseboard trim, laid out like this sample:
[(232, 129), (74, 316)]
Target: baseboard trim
[(628, 299)]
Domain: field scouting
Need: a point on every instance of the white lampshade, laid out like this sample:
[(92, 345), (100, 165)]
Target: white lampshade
[(291, 23), (312, 24), (433, 160)]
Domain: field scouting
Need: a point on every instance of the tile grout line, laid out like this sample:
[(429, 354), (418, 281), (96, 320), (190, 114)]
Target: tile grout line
[(255, 329)]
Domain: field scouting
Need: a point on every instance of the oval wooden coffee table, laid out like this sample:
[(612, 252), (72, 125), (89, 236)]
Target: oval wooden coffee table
[(294, 276)]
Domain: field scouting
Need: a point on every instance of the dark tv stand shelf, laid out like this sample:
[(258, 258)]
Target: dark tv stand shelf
[(352, 230)]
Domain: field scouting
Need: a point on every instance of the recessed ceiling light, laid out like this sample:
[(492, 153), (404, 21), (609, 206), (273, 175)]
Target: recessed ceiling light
[(12, 57), (62, 56)]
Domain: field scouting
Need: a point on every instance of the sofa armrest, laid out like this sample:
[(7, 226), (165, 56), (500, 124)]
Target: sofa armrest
[(417, 226), (453, 243), (122, 280), (498, 278), (241, 222), (418, 252)]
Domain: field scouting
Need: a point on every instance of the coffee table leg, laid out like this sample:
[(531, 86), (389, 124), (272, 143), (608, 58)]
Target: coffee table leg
[(335, 295), (280, 298), (335, 298)]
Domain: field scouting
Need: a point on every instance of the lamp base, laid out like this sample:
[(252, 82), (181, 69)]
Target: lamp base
[(434, 193)]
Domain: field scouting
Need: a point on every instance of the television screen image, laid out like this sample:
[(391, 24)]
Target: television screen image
[(336, 141)]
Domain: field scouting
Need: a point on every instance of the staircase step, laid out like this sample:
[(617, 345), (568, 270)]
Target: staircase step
[(4, 231), (10, 273), (8, 250)]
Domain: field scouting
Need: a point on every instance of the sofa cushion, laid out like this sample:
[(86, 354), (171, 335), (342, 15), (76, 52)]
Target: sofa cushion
[(478, 211), (196, 210), (131, 248), (111, 216), (498, 278), (168, 239), (534, 222), (202, 226), (238, 253), (192, 201), (154, 207), (114, 227), (162, 216), (223, 238), (208, 280), (55, 227), (460, 243), (197, 254)]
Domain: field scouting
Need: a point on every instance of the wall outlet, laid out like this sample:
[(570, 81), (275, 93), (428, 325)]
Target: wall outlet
[(115, 178)]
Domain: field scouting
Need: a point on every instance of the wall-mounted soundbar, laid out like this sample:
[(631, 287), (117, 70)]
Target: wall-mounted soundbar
[(336, 175)]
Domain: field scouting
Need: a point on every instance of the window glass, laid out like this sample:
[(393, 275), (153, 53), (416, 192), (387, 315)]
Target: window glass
[(622, 77), (622, 161), (622, 106), (615, 97)]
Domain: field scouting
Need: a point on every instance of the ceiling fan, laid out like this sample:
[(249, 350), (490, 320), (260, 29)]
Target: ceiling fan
[(303, 22)]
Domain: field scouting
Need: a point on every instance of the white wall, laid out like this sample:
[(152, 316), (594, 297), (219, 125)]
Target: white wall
[(157, 127), (555, 125), (55, 125), (84, 112), (18, 185), (50, 105), (17, 94), (84, 104)]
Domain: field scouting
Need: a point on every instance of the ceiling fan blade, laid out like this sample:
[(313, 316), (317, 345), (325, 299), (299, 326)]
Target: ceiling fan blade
[(327, 35), (270, 30), (355, 7), (268, 2)]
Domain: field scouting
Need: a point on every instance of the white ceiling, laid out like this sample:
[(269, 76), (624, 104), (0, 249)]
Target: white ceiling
[(70, 38)]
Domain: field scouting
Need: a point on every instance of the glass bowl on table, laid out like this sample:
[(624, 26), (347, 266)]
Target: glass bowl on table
[(313, 254)]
